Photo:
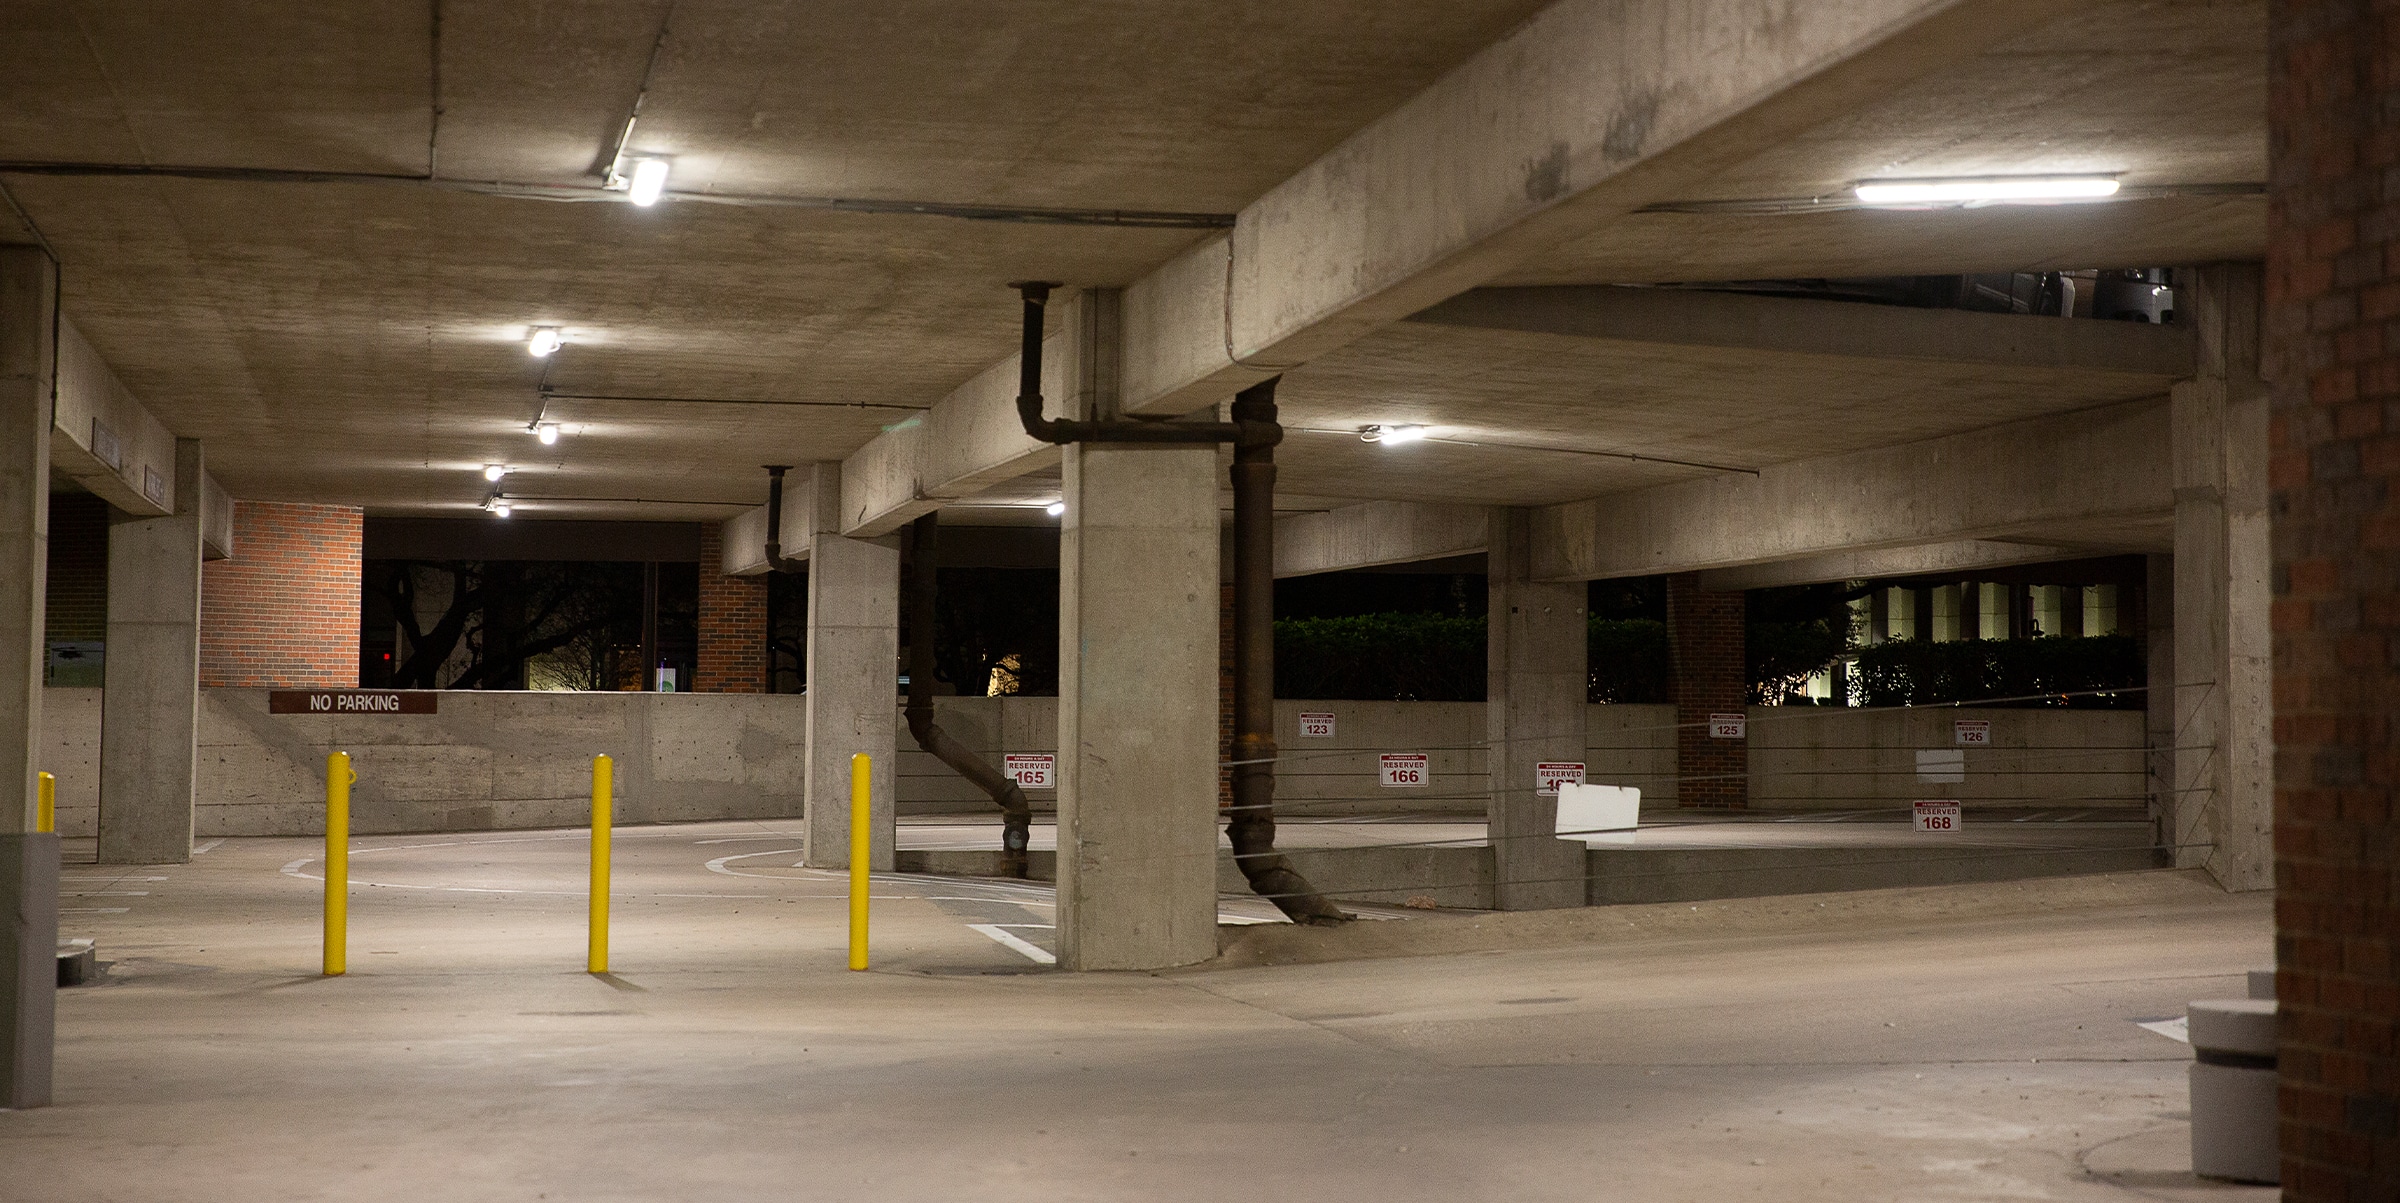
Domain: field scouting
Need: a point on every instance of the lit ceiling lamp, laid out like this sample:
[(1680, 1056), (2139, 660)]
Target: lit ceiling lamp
[(500, 509), (648, 183), (1055, 508), (1987, 190), (1391, 435), (545, 340), (547, 432), (493, 472)]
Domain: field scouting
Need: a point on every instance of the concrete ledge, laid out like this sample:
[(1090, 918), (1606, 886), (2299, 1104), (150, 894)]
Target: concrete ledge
[(1632, 875), (972, 862), (1452, 877)]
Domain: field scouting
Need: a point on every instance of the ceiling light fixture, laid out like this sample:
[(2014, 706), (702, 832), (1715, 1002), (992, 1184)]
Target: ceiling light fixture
[(1055, 508), (545, 340), (1391, 435), (649, 182), (500, 509), (1986, 190), (494, 472), (547, 432)]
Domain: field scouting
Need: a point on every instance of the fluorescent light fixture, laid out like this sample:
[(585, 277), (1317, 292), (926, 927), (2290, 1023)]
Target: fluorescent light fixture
[(649, 182), (1391, 435), (1986, 189), (499, 509), (545, 340), (1055, 508), (494, 471), (547, 432)]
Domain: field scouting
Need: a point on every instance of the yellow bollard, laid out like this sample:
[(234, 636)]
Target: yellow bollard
[(861, 850), (45, 811), (338, 777), (603, 777)]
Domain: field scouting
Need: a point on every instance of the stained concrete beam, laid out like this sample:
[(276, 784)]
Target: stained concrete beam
[(1964, 555), (2099, 465), (1692, 318), (808, 493), (1586, 112), (105, 439), (1375, 533)]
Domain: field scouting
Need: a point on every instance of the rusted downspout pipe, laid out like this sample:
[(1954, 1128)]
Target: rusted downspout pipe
[(775, 560), (1253, 433), (1016, 828)]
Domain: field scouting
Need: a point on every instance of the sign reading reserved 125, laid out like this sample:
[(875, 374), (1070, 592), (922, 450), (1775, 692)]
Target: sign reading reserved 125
[(1031, 770), (1405, 770)]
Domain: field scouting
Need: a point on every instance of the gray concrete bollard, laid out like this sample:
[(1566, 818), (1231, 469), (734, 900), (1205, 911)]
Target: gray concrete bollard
[(2233, 1089)]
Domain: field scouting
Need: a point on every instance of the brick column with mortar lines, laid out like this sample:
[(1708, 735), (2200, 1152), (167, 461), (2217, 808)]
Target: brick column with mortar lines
[(284, 611), (733, 625), (2332, 364), (1707, 632)]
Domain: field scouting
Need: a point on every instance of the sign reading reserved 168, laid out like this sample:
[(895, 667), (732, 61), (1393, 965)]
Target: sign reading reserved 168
[(1405, 770)]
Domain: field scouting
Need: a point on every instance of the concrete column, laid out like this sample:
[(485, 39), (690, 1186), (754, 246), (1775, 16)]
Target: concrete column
[(28, 860), (1706, 632), (2158, 706), (150, 708), (1137, 707), (853, 677), (1536, 690), (2224, 707)]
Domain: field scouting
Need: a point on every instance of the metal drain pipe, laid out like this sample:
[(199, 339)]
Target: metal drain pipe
[(775, 560), (1253, 433), (1016, 830)]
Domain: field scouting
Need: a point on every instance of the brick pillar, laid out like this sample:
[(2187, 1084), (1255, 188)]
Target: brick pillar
[(283, 612), (733, 626), (2333, 366), (1706, 631)]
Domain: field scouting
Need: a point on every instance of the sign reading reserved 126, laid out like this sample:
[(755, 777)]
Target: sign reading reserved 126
[(1405, 770)]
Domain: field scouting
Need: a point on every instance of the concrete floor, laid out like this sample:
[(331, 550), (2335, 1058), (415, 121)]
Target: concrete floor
[(1971, 1042)]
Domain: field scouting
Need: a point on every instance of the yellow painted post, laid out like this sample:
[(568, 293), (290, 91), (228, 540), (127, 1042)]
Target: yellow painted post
[(603, 777), (45, 813), (338, 777), (861, 850)]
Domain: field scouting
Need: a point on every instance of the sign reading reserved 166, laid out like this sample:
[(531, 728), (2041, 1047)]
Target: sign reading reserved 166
[(1404, 770)]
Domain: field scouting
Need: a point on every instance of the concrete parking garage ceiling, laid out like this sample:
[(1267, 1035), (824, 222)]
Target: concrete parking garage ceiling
[(362, 342)]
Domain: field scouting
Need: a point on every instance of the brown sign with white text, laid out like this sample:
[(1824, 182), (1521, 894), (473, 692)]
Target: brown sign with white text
[(352, 701)]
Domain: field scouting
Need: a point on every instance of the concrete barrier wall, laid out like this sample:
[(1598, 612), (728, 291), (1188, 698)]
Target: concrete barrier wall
[(507, 760), (1806, 758)]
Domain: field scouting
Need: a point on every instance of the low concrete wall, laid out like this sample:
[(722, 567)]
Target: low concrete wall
[(1808, 758), (496, 760)]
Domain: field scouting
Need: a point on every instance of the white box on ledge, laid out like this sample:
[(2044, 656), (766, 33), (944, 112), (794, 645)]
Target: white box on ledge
[(1598, 816)]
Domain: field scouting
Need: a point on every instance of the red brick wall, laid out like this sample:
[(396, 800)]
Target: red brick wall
[(284, 610), (733, 626), (2333, 363), (1706, 631)]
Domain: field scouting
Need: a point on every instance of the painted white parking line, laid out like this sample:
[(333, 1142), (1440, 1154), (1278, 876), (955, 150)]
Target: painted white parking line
[(1008, 939), (93, 910), (105, 880), (104, 894)]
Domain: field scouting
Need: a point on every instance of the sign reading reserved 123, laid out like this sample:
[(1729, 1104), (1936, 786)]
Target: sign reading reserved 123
[(1316, 724), (1404, 770)]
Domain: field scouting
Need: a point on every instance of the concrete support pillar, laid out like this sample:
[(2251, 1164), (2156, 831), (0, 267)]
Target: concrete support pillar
[(853, 678), (1706, 633), (1137, 707), (1536, 690), (2224, 708), (2158, 706), (150, 708), (28, 860)]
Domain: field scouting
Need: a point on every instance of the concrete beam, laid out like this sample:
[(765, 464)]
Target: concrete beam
[(1588, 111), (2011, 481), (1378, 532), (744, 536), (106, 440), (1692, 318), (1931, 559)]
